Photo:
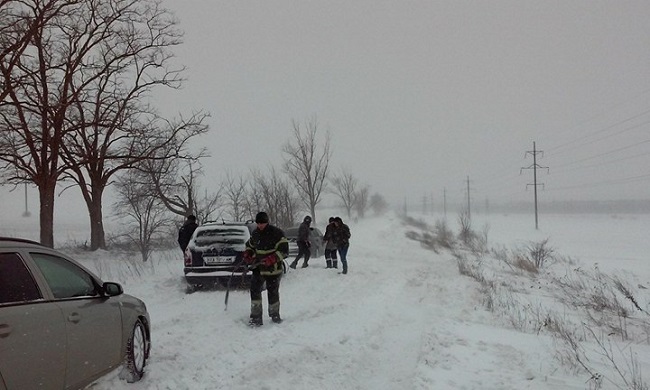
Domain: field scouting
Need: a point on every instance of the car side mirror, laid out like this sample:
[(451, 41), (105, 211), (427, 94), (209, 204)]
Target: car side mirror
[(112, 289)]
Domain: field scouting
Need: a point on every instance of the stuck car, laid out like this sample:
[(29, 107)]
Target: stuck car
[(315, 238), (214, 255)]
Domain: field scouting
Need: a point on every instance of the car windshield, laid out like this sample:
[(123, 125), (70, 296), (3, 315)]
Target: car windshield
[(291, 232), (221, 235)]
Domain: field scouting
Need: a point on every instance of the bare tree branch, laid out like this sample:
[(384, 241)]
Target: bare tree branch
[(306, 165), (345, 188)]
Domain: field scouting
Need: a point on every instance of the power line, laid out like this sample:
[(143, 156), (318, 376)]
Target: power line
[(605, 153), (602, 183)]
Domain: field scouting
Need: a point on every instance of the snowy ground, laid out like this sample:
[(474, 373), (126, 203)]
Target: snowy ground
[(403, 318)]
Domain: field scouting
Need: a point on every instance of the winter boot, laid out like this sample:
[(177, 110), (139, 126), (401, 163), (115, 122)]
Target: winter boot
[(335, 264), (276, 319), (254, 322), (329, 264), (304, 264), (293, 264)]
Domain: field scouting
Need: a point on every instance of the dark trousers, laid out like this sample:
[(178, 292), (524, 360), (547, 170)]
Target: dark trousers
[(272, 293), (303, 250), (330, 254)]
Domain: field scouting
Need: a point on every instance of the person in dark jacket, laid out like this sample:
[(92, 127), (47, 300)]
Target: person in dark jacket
[(303, 243), (329, 238), (265, 251), (186, 231), (343, 241)]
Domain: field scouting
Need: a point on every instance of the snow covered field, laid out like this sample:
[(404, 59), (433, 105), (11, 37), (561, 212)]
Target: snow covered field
[(403, 318)]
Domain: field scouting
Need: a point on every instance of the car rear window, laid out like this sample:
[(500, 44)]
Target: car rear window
[(16, 282), (222, 235)]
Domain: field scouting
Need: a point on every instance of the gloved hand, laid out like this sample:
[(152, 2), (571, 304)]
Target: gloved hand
[(308, 244), (270, 260), (248, 257)]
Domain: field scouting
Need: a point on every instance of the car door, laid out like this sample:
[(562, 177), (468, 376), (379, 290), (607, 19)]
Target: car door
[(93, 322), (32, 331)]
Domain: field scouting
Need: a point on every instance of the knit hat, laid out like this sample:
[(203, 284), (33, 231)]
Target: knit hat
[(262, 217)]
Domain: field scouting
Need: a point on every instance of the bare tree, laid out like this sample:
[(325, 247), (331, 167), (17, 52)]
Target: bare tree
[(102, 154), (378, 204), (175, 181), (74, 105), (345, 188), (20, 21), (147, 219), (361, 201), (114, 128), (306, 165), (270, 193), (38, 68), (235, 194)]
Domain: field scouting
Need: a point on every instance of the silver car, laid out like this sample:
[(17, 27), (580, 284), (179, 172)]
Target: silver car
[(315, 237), (61, 327)]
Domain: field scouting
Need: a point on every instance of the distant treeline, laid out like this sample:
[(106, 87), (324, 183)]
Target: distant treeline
[(641, 206)]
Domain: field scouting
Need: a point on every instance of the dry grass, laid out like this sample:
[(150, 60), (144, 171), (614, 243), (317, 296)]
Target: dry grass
[(604, 316)]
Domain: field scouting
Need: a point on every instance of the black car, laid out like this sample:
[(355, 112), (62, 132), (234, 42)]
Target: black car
[(214, 252), (315, 237)]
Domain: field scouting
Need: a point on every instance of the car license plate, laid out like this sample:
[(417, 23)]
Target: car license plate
[(218, 259)]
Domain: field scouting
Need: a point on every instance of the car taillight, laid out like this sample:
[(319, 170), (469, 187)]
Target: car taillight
[(188, 257)]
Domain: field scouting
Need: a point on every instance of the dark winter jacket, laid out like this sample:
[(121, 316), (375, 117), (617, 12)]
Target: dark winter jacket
[(303, 232), (343, 235), (270, 241), (330, 236), (185, 234)]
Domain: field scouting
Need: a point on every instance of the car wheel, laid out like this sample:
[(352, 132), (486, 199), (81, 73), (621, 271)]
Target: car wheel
[(136, 354)]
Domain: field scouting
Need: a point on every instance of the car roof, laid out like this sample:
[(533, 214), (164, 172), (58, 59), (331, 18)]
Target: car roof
[(293, 230), (223, 226), (10, 242), (229, 223)]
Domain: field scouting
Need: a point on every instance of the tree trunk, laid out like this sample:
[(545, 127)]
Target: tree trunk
[(313, 213), (97, 236), (46, 214)]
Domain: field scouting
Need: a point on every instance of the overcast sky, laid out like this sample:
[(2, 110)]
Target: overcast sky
[(419, 95)]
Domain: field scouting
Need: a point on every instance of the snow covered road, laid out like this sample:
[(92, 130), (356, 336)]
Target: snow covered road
[(403, 318)]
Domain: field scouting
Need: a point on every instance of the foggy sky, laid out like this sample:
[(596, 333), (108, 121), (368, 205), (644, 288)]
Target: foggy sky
[(420, 95)]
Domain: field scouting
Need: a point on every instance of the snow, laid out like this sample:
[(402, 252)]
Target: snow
[(403, 318)]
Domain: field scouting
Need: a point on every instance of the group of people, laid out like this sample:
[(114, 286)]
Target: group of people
[(268, 247), (336, 239)]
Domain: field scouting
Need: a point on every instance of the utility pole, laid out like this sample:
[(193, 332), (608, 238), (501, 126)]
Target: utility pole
[(469, 213), (534, 167), (444, 201), (424, 205), (26, 213)]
